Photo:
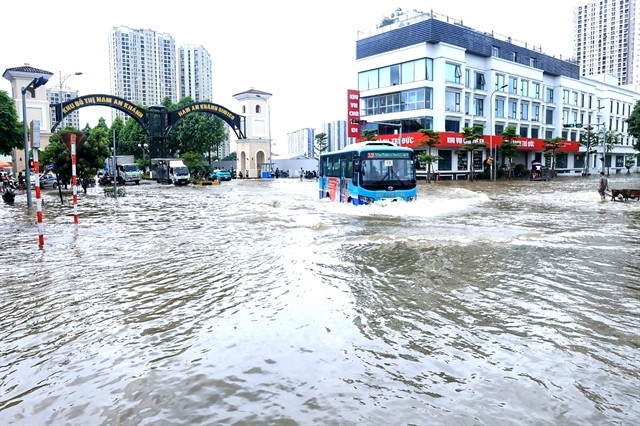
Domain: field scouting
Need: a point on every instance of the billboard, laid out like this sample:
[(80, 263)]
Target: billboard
[(353, 113)]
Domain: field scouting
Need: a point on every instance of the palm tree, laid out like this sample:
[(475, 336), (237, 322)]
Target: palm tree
[(429, 139), (589, 140), (508, 148), (472, 136), (553, 145)]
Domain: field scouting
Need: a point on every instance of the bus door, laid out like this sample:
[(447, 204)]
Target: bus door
[(343, 182)]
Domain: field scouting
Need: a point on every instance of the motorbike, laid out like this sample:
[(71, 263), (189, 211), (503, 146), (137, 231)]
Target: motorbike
[(9, 195)]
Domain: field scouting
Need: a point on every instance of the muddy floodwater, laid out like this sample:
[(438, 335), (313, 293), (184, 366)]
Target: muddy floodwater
[(254, 302)]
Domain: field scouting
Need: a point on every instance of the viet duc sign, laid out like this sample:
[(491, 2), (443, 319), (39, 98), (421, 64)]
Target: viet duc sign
[(456, 140), (353, 113)]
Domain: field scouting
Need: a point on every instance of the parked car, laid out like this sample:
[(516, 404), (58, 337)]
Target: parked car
[(48, 180), (221, 175)]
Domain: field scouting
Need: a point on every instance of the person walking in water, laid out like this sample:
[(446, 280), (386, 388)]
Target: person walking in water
[(603, 185), (301, 173)]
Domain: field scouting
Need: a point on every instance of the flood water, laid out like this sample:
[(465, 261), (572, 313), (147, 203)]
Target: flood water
[(254, 302)]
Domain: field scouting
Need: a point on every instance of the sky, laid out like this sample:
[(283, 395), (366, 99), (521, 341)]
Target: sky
[(300, 51)]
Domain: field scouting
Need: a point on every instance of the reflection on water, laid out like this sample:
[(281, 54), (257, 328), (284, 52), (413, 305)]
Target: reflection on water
[(255, 302)]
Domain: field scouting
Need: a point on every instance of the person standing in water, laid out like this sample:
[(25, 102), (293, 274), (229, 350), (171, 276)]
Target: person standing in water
[(603, 185)]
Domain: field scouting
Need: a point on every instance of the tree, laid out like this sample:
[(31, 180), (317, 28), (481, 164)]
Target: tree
[(629, 163), (634, 125), (370, 135), (196, 163), (472, 136), (589, 140), (89, 158), (429, 139), (611, 139), (11, 131), (508, 148), (130, 136), (553, 145), (320, 145)]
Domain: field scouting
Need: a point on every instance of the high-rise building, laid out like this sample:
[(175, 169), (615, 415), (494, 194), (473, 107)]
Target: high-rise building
[(194, 73), (142, 65), (336, 132), (301, 142), (604, 39), (63, 94)]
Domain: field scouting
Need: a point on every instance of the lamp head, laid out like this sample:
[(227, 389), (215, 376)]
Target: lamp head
[(40, 81)]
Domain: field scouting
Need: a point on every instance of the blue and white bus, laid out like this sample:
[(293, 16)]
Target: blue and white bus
[(366, 172)]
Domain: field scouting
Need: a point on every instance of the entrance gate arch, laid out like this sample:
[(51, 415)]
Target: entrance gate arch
[(156, 121)]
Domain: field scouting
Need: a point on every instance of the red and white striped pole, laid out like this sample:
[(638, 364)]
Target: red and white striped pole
[(74, 181), (36, 171)]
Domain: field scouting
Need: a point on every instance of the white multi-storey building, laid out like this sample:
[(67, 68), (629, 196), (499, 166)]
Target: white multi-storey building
[(301, 142), (195, 73), (424, 73), (142, 65), (336, 132), (64, 94), (605, 32)]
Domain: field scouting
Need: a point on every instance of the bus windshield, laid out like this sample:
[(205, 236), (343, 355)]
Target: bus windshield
[(386, 167)]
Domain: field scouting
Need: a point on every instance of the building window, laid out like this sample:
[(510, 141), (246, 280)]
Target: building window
[(513, 85), (525, 88), (512, 109), (524, 132), (467, 103), (565, 96), (416, 99), (533, 62), (390, 76), (548, 117), (499, 82), (535, 112), (389, 103), (453, 73), (549, 95), (495, 51), (414, 71), (514, 56), (536, 90), (452, 101), (500, 108), (534, 132), (524, 111), (368, 80), (478, 106), (480, 81), (467, 79), (451, 126)]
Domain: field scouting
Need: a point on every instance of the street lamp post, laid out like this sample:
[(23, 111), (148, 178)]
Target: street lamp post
[(492, 130), (604, 145), (31, 88), (143, 147), (62, 80)]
